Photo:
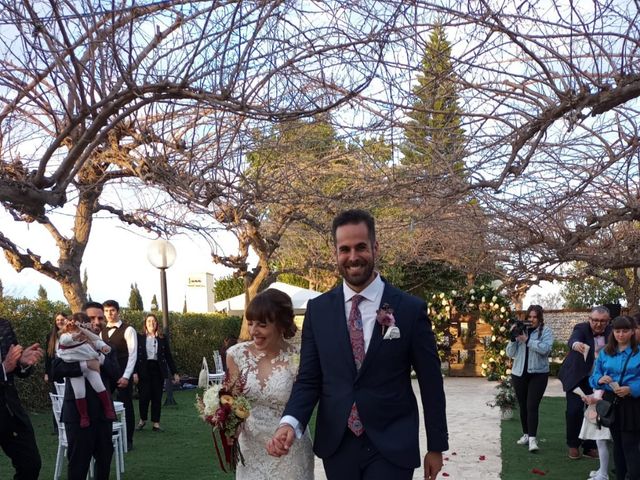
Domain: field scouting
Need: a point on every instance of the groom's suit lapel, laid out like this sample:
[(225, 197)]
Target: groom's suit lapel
[(390, 296)]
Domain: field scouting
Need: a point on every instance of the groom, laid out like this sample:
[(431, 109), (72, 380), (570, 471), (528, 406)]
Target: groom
[(359, 371)]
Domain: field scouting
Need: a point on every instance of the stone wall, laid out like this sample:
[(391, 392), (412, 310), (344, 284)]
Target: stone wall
[(563, 321)]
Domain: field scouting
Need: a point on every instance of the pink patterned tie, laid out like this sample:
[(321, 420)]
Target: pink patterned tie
[(357, 344)]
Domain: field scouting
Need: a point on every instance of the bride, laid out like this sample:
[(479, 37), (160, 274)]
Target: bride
[(271, 365)]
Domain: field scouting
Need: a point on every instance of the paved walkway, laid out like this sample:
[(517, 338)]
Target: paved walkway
[(474, 430)]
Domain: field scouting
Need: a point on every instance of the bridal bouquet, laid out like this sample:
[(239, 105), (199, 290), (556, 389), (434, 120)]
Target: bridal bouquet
[(225, 408)]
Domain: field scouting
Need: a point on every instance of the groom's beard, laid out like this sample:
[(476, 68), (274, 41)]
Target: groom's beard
[(359, 277)]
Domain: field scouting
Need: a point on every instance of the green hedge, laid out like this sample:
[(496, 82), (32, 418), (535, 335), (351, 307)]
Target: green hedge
[(193, 335)]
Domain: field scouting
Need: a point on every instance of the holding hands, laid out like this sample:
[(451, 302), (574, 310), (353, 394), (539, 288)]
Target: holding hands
[(281, 441)]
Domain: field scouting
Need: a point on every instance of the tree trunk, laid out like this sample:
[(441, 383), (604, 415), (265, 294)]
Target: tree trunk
[(73, 292), (632, 292)]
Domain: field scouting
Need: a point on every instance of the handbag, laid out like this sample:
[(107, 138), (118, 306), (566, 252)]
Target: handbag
[(203, 376), (606, 409), (606, 412)]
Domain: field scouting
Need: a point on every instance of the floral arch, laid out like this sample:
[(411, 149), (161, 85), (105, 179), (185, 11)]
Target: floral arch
[(475, 321)]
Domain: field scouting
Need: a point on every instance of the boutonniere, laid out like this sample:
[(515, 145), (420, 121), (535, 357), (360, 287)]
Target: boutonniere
[(387, 322)]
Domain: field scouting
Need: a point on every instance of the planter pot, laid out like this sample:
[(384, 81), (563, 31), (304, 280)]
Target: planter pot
[(506, 413)]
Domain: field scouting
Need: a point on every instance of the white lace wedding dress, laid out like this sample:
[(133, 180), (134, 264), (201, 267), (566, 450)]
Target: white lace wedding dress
[(269, 384)]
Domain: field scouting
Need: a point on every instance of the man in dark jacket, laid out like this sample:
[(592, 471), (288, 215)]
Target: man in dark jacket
[(586, 341), (16, 433), (95, 440)]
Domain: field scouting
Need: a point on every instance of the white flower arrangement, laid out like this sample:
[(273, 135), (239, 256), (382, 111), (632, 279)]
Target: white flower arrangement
[(211, 400)]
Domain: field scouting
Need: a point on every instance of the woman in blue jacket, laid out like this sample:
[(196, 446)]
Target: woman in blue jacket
[(530, 372), (624, 391)]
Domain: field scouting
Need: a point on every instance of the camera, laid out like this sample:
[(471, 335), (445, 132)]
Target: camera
[(518, 329)]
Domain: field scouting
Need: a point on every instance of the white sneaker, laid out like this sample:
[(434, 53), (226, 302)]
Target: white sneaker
[(533, 444), (593, 473), (524, 440), (598, 476)]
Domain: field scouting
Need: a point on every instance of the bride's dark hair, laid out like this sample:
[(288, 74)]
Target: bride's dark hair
[(274, 306)]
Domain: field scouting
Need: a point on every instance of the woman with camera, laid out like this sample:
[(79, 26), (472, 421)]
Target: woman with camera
[(617, 370), (530, 347)]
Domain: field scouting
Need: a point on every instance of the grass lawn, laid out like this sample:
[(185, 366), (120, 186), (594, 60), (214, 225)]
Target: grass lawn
[(184, 451), (518, 463)]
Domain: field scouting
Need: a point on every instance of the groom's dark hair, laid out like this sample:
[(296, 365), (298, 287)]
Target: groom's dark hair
[(353, 217)]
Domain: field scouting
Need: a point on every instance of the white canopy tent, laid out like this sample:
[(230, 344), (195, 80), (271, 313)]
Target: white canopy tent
[(299, 297)]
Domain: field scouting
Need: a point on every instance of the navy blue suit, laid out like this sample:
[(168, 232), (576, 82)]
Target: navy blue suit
[(573, 373), (381, 389), (95, 440)]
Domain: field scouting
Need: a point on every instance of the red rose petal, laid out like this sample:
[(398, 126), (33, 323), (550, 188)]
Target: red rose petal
[(538, 471), (482, 457), (446, 458), (453, 453), (445, 474)]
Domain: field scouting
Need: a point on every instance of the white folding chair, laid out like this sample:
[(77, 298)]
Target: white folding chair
[(56, 405), (118, 455), (217, 359), (63, 445), (214, 378), (121, 423), (59, 388)]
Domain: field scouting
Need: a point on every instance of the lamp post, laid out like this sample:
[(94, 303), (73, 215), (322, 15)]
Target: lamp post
[(161, 254)]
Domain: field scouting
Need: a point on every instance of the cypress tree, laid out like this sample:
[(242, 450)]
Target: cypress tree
[(135, 299), (434, 139), (154, 303), (42, 293)]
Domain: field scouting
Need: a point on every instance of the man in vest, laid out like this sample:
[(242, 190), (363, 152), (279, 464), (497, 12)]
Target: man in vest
[(123, 339)]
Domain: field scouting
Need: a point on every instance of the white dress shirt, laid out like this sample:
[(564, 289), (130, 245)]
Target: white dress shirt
[(131, 338), (368, 307), (152, 348), (368, 310)]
